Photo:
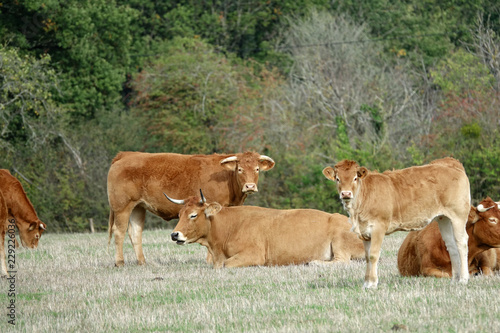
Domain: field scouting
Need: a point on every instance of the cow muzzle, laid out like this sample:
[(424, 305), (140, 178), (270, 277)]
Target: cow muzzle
[(346, 195), (178, 237), (250, 188)]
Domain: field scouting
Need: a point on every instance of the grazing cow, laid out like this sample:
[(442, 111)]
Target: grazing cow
[(256, 236), (15, 205), (424, 252), (407, 199), (136, 182), (3, 230)]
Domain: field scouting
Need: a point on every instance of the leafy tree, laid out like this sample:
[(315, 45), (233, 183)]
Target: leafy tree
[(88, 42), (196, 100), (28, 114)]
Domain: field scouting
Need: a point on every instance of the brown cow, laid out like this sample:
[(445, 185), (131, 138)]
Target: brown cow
[(424, 252), (19, 208), (407, 199), (136, 182), (256, 236), (486, 262), (4, 224)]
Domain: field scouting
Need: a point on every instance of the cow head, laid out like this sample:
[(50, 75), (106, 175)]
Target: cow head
[(194, 219), (347, 175), (247, 167), (485, 219), (30, 233)]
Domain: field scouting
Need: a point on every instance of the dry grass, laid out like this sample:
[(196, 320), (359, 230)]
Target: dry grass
[(70, 285)]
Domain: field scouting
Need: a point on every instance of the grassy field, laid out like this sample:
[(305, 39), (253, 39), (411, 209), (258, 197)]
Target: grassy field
[(70, 285)]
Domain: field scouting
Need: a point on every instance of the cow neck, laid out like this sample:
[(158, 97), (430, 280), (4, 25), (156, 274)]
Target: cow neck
[(237, 197), (218, 231), (475, 246), (21, 208)]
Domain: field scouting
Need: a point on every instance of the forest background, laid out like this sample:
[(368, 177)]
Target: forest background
[(387, 83)]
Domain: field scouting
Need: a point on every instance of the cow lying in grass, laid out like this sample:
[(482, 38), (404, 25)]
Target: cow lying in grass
[(255, 236), (486, 263), (136, 181), (15, 206), (424, 252)]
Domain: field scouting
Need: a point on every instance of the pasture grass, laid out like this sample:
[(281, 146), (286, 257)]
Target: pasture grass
[(70, 284)]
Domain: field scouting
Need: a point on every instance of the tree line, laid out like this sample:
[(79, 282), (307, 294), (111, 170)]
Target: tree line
[(309, 83)]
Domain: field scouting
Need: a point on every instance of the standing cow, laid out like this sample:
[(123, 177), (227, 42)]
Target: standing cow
[(256, 236), (136, 181), (15, 205), (423, 252), (408, 199)]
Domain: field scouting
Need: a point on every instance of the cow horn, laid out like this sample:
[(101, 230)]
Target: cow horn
[(229, 159), (41, 226), (266, 158), (482, 209), (203, 200), (175, 201)]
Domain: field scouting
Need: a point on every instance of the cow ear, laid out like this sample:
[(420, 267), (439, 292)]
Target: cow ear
[(362, 172), (329, 172), (265, 163), (473, 215), (33, 225), (230, 162), (212, 209)]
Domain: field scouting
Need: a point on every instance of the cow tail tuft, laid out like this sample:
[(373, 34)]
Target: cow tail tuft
[(110, 226)]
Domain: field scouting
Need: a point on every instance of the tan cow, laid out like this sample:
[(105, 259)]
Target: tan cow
[(382, 203), (423, 252), (486, 262), (136, 182), (15, 205), (256, 236)]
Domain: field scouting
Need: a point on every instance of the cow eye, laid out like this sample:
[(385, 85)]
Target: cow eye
[(193, 216), (355, 178), (240, 170), (337, 179), (257, 170)]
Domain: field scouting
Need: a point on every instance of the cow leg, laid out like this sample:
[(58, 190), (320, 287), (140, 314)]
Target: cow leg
[(119, 230), (2, 254), (372, 255), (455, 238), (249, 258), (137, 218), (435, 272)]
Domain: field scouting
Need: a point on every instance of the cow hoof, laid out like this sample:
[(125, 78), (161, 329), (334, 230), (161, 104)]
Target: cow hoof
[(370, 285), (120, 263), (141, 262)]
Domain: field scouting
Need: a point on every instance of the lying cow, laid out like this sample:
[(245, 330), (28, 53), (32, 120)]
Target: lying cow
[(255, 236), (486, 262), (407, 199), (15, 206), (424, 252), (136, 181)]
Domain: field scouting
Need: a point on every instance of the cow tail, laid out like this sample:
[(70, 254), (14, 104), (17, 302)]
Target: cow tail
[(110, 226)]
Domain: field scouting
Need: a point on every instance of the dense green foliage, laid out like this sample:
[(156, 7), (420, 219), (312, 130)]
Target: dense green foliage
[(390, 84)]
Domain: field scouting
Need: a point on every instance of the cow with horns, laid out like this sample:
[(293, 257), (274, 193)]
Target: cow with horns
[(136, 181), (255, 236), (423, 252)]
